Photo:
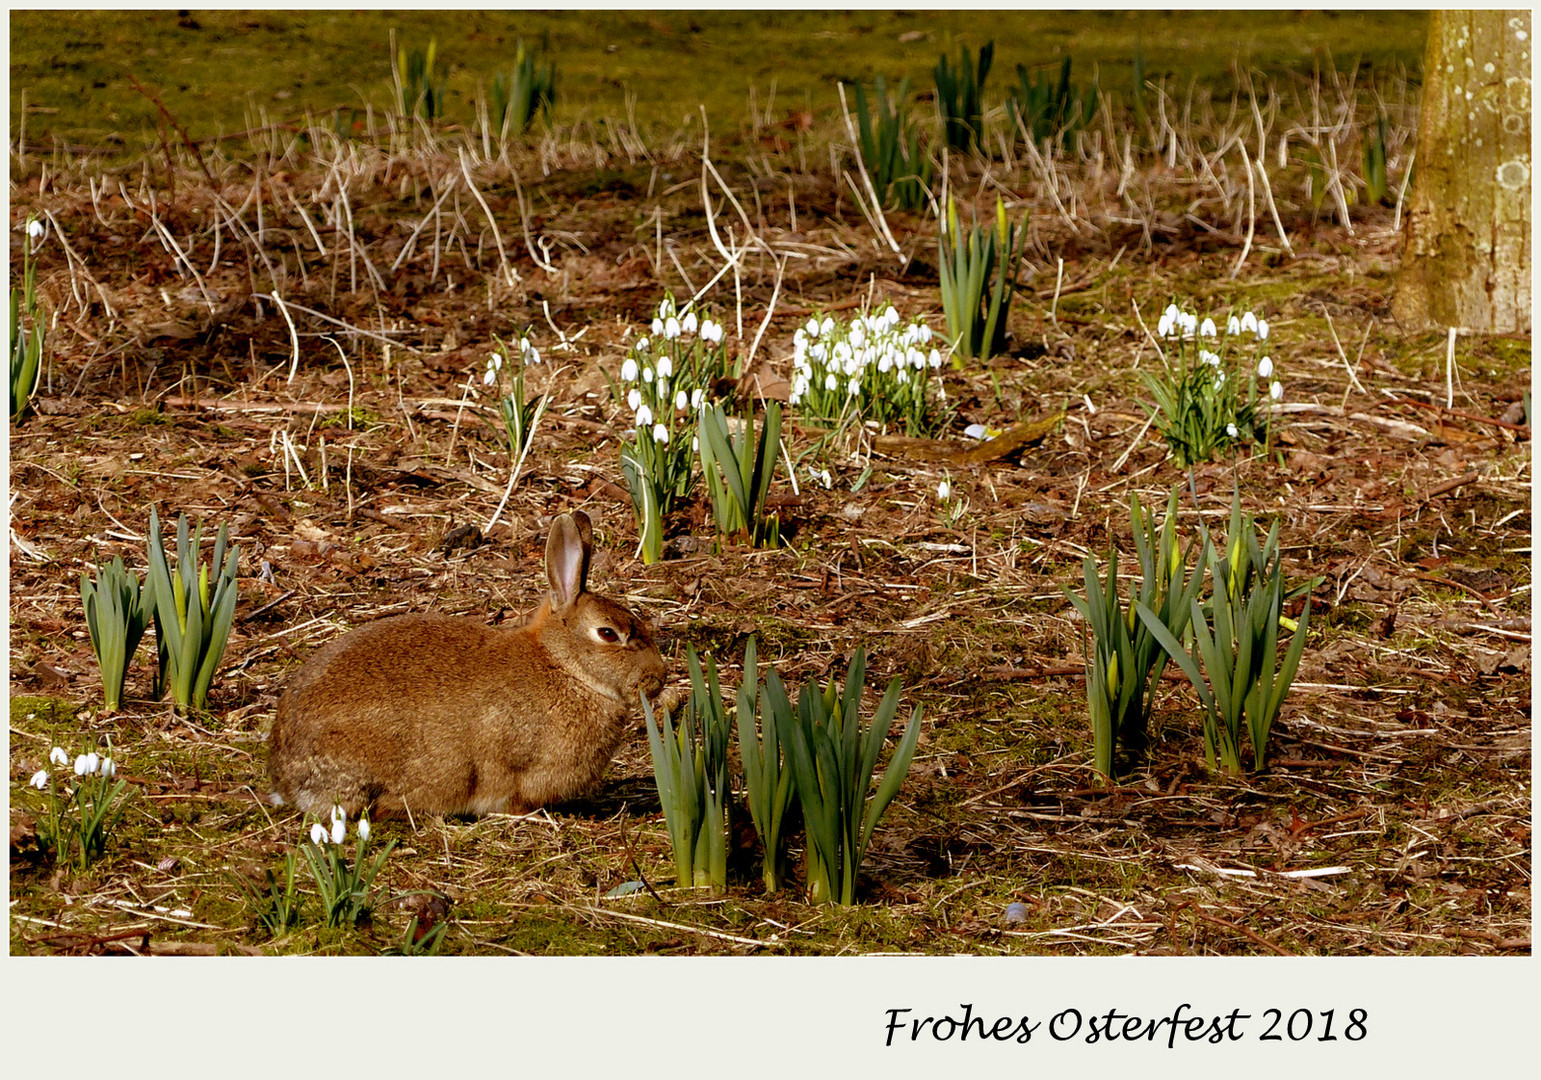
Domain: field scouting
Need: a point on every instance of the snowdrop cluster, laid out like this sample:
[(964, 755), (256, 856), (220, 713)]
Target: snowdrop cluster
[(1176, 323), (80, 816), (671, 324), (1210, 396), (320, 835), (665, 382), (665, 378), (519, 415), (91, 764), (528, 354), (871, 365)]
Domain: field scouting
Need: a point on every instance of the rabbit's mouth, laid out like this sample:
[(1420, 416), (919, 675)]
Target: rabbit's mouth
[(651, 686)]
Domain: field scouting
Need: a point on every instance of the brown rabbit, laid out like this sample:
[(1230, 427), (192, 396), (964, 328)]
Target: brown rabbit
[(434, 714)]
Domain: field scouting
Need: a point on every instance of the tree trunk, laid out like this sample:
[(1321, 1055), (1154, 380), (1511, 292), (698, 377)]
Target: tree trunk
[(1467, 259)]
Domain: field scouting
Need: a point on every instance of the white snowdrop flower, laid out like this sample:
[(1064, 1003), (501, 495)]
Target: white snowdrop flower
[(1249, 322), (711, 331), (903, 375), (688, 323), (1219, 380), (671, 328), (800, 340), (1189, 321), (681, 400), (644, 417), (975, 431), (58, 756), (827, 325), (1262, 329), (663, 390), (39, 779), (660, 434), (857, 334), (1265, 367), (363, 828), (1230, 429), (532, 356), (665, 367), (339, 814), (891, 316), (1171, 311), (634, 399), (853, 387), (92, 763), (695, 444), (935, 359), (813, 328), (943, 490), (108, 768), (641, 344), (698, 397), (318, 835), (1233, 325), (1212, 359), (830, 382), (885, 363), (35, 229), (657, 326), (339, 830), (828, 480), (1166, 325), (629, 371), (1208, 329), (1276, 391), (819, 351), (647, 374), (925, 333)]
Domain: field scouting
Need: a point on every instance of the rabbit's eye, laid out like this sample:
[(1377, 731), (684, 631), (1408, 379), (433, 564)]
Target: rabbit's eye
[(607, 635)]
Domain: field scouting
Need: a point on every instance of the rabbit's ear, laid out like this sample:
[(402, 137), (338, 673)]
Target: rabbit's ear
[(585, 533), (567, 557)]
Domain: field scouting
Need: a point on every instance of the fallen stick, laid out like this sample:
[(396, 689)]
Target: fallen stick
[(946, 452), (1450, 485), (1523, 429)]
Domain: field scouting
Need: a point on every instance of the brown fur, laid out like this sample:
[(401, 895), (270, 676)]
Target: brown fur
[(434, 714)]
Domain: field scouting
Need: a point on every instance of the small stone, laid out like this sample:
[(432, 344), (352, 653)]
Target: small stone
[(1016, 913)]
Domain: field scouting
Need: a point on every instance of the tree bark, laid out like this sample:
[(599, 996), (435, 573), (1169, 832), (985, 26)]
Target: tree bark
[(1467, 259)]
